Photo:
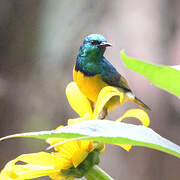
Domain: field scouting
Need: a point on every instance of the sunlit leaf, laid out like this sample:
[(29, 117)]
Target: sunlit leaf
[(165, 77), (110, 132)]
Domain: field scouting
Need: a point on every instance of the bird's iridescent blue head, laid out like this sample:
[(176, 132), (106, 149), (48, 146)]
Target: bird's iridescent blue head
[(93, 46)]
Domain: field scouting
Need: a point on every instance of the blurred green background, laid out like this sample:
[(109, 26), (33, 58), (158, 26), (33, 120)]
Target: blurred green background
[(39, 41)]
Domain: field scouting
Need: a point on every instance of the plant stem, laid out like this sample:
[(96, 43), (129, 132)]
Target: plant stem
[(96, 173)]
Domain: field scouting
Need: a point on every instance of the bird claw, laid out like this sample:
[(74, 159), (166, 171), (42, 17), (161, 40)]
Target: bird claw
[(103, 113)]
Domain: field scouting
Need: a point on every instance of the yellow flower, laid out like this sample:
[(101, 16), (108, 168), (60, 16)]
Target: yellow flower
[(71, 158), (62, 164), (83, 107)]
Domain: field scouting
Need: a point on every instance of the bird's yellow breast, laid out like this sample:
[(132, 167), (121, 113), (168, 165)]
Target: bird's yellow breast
[(90, 86)]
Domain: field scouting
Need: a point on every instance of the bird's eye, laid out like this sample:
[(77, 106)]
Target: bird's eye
[(95, 42)]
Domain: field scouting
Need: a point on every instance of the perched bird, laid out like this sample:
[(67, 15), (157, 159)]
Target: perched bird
[(92, 72)]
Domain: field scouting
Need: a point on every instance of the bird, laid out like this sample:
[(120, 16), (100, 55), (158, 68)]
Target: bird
[(92, 72)]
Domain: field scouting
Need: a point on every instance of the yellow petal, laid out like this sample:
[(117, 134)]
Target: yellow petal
[(104, 96), (103, 149), (77, 100), (75, 151), (86, 117), (59, 127), (54, 141), (44, 159), (78, 157), (7, 173), (136, 113), (86, 145), (127, 147), (32, 171), (38, 164)]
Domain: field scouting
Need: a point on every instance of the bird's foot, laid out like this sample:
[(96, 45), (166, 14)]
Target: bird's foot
[(103, 113)]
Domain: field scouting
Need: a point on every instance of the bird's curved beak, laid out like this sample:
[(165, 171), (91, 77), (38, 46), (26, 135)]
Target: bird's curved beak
[(104, 45)]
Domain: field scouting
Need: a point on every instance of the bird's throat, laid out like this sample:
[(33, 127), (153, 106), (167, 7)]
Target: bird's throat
[(88, 66)]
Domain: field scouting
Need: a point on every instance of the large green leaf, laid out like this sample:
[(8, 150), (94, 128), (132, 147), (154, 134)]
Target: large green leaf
[(109, 132), (165, 77)]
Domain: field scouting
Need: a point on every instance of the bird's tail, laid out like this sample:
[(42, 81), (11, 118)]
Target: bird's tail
[(140, 103)]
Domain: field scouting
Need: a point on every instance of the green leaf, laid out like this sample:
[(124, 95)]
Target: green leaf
[(165, 77), (109, 132)]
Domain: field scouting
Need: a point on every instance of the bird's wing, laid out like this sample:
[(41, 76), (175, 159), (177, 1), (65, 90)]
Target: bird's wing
[(112, 77)]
